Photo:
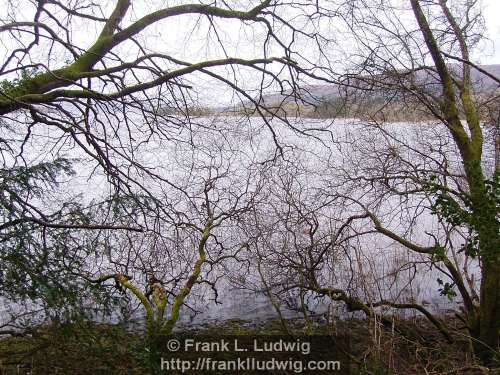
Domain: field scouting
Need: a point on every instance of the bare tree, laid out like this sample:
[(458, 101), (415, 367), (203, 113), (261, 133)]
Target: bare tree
[(322, 241), (186, 251)]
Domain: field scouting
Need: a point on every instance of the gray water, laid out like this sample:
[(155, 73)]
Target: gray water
[(245, 144)]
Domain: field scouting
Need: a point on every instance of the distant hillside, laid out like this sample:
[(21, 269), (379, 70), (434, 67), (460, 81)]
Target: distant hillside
[(320, 92), (329, 100)]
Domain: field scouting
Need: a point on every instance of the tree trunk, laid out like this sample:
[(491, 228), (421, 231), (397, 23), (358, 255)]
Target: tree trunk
[(487, 348), (485, 328), (484, 210)]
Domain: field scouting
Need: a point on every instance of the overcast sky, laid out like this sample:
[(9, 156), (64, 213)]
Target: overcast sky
[(492, 19), (187, 38)]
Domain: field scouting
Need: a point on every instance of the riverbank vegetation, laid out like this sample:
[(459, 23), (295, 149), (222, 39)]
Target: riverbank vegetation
[(83, 348)]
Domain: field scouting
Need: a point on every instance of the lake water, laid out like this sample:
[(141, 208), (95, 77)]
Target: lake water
[(237, 155)]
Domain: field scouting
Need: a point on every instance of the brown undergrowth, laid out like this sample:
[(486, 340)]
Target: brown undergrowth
[(88, 348)]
